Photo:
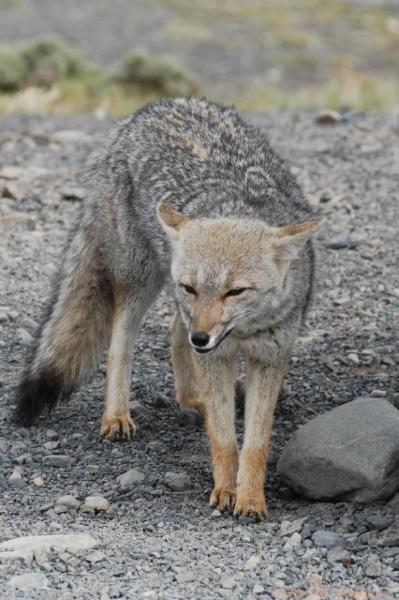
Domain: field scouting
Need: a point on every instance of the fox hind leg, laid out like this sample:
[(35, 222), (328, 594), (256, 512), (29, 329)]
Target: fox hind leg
[(128, 312)]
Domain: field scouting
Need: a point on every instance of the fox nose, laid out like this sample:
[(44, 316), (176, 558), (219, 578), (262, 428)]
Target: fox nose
[(200, 338)]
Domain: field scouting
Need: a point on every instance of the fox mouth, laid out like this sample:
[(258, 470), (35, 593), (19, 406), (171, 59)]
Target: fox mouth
[(206, 350)]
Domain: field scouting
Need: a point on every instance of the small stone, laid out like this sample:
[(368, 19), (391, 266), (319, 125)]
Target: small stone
[(252, 562), (3, 482), (57, 460), (50, 446), (73, 193), (326, 539), (95, 557), (3, 317), (258, 589), (129, 479), (373, 567), (290, 527), (97, 503), (228, 583), (69, 501), (14, 191), (329, 117), (52, 435), (29, 581), (24, 337), (11, 172), (177, 482), (379, 522), (279, 594), (342, 241), (38, 482), (215, 514), (16, 479), (294, 540), (190, 418), (338, 554), (138, 410)]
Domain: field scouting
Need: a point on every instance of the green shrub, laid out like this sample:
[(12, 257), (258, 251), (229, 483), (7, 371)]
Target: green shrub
[(12, 71), (49, 60), (155, 74)]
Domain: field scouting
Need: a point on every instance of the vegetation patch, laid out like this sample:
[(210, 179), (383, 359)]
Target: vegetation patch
[(48, 76)]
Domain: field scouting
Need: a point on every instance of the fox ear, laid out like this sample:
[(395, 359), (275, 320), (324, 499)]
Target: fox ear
[(289, 240), (171, 220)]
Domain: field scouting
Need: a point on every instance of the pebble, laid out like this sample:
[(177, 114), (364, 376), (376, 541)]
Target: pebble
[(329, 117), (24, 337), (129, 479), (190, 418), (252, 561), (177, 482), (293, 541), (97, 503), (38, 482), (373, 567), (326, 539), (215, 514), (228, 583), (338, 554), (95, 557), (57, 460), (342, 241), (290, 527), (73, 193), (52, 435), (69, 501), (3, 482), (16, 479), (138, 410), (258, 589)]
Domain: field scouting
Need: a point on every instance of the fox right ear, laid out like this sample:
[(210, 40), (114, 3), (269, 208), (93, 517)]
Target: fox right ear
[(171, 220)]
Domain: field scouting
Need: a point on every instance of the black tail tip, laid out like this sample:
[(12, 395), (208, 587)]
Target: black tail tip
[(35, 395)]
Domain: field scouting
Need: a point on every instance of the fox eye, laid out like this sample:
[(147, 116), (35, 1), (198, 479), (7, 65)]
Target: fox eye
[(235, 292), (189, 289)]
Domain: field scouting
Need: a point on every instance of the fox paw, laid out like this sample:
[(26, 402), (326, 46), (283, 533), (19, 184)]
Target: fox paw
[(223, 499), (118, 429), (252, 506)]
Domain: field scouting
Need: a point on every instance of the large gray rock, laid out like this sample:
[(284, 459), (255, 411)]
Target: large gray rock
[(349, 453)]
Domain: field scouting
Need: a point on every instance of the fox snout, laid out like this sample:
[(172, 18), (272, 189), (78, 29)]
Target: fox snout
[(202, 342)]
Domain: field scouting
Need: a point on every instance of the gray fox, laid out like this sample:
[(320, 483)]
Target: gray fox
[(187, 187)]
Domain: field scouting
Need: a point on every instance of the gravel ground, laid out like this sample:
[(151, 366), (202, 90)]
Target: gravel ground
[(158, 538)]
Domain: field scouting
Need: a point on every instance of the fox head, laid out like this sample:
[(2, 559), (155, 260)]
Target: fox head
[(229, 273)]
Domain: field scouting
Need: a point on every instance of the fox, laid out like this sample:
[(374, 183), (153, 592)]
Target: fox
[(184, 192)]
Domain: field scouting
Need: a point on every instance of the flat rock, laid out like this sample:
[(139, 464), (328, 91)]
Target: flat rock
[(130, 478), (69, 501), (327, 539), (178, 482), (57, 460), (349, 453), (29, 581), (96, 503), (24, 546)]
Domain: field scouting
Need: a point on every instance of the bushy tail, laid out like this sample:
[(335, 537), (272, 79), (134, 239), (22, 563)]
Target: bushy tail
[(74, 331)]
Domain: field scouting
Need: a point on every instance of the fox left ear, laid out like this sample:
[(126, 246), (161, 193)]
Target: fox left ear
[(171, 220), (289, 240)]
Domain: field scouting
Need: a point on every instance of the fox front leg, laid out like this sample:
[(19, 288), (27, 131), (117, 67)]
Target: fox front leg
[(263, 384), (216, 377)]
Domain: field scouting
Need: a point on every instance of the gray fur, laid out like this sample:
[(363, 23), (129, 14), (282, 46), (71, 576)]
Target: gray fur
[(201, 159)]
